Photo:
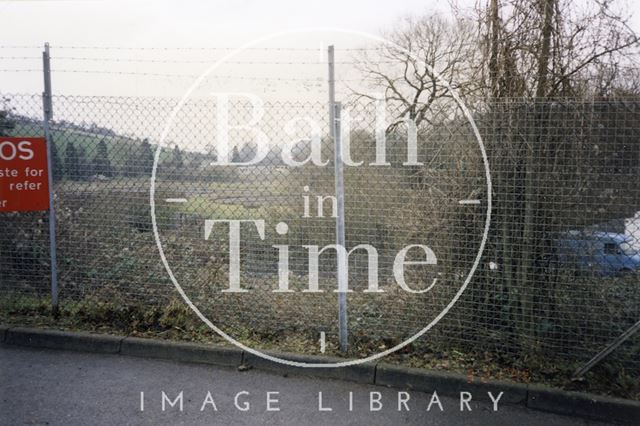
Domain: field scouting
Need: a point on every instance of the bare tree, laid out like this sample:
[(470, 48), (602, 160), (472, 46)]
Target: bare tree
[(541, 49), (427, 58), (505, 49), (549, 48)]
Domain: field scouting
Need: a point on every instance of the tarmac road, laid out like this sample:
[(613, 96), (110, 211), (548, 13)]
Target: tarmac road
[(48, 387)]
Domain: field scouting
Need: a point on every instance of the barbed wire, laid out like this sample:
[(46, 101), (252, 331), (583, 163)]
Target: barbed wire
[(153, 74), (212, 60), (286, 49), (157, 74), (307, 81), (20, 57), (200, 61), (186, 61)]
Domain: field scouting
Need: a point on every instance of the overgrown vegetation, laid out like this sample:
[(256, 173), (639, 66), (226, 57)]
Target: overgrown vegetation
[(173, 320), (559, 118)]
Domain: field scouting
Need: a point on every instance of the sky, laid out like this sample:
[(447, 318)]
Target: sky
[(83, 62), (189, 24), (94, 48), (169, 24)]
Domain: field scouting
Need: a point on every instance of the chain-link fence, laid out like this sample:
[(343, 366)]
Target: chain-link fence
[(558, 276)]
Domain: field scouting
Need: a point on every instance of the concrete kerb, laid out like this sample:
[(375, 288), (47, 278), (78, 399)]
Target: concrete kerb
[(583, 405), (359, 373), (450, 384), (181, 351), (66, 340), (534, 397)]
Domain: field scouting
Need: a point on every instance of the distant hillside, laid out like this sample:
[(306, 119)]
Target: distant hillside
[(124, 153), (127, 156)]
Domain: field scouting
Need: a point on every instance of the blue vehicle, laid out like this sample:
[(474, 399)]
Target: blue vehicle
[(598, 253)]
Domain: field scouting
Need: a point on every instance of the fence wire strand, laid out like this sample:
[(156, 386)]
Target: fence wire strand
[(559, 272)]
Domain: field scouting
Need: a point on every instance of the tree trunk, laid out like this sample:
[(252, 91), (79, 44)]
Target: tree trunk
[(548, 8), (494, 28)]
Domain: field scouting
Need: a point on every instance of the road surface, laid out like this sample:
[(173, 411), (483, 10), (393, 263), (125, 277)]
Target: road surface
[(47, 387)]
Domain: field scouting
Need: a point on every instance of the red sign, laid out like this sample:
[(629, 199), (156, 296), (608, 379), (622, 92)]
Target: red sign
[(23, 174)]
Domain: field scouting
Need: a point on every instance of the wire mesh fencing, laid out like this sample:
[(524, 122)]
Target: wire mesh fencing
[(557, 276)]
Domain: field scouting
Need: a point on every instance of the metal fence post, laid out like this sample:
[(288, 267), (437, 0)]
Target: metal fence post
[(48, 114), (334, 131), (340, 240), (332, 91)]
